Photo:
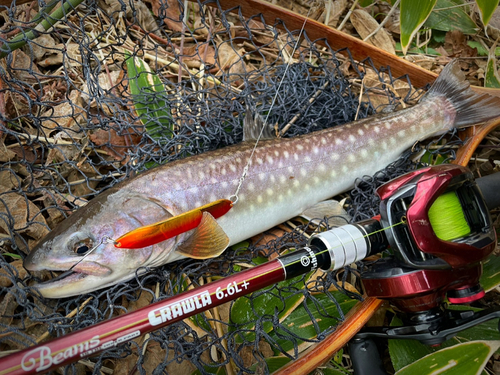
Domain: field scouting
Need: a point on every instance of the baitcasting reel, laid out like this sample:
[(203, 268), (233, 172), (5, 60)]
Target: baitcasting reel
[(435, 224), (438, 228)]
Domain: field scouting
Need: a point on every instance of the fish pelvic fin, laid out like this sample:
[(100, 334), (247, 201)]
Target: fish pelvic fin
[(207, 241), (330, 209), (470, 107), (255, 126)]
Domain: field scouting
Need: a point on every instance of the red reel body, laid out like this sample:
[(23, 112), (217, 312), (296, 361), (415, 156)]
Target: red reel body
[(423, 267)]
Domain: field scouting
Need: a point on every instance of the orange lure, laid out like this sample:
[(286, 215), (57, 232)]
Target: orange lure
[(163, 230)]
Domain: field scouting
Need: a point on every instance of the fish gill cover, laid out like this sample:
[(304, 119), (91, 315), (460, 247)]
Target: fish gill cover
[(72, 127)]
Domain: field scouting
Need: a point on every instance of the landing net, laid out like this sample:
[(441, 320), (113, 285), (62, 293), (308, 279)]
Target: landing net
[(72, 126)]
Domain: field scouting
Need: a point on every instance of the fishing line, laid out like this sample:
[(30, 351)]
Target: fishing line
[(234, 198)]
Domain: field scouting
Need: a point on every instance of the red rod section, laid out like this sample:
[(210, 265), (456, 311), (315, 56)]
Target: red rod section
[(94, 339)]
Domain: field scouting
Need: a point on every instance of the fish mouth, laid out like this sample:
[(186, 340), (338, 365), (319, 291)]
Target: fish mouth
[(69, 281)]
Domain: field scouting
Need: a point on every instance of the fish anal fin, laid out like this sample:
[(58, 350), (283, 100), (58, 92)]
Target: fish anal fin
[(330, 209), (207, 241)]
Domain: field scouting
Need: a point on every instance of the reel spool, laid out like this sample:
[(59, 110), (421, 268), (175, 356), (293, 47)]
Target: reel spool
[(439, 230)]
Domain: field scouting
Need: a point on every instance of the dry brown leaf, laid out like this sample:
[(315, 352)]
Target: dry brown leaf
[(126, 365), (365, 24), (65, 115), (8, 181), (171, 13), (16, 269), (200, 53), (23, 211), (456, 45), (8, 305), (113, 143)]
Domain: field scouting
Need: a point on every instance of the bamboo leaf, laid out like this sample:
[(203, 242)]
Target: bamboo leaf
[(149, 97), (486, 9), (413, 15), (490, 278), (491, 77), (245, 311), (301, 324), (404, 352), (465, 358), (446, 16)]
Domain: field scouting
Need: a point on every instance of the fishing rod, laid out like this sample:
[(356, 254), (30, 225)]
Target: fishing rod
[(435, 220)]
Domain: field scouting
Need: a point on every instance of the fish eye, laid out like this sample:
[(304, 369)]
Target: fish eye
[(81, 247)]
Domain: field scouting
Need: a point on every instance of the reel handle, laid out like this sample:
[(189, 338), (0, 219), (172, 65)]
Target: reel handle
[(489, 185)]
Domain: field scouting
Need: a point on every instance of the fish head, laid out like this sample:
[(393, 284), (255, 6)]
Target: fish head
[(82, 247)]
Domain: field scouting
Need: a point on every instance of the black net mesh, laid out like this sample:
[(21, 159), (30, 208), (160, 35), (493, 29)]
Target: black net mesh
[(70, 129)]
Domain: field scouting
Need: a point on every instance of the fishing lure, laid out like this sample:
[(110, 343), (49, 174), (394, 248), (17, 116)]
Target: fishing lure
[(163, 230)]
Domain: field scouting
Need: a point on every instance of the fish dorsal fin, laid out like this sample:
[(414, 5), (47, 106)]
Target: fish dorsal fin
[(252, 126), (207, 241), (330, 209)]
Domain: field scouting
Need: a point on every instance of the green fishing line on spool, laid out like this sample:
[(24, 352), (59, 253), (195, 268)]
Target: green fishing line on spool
[(447, 217)]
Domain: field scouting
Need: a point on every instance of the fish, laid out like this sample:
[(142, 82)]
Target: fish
[(286, 177)]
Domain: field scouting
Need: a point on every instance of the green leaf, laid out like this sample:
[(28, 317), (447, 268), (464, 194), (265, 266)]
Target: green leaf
[(465, 358), (491, 77), (300, 322), (12, 255), (404, 352), (486, 9), (245, 311), (446, 16), (149, 97), (490, 278), (481, 50), (413, 15), (272, 363)]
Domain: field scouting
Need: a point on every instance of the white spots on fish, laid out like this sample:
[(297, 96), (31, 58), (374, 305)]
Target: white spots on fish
[(276, 153), (262, 176), (295, 157), (413, 128), (283, 179), (364, 153), (260, 161), (269, 191), (335, 157), (388, 125), (323, 140), (345, 168), (351, 158), (270, 159), (286, 154), (315, 150), (201, 175), (316, 180), (223, 171), (361, 132), (232, 167), (352, 138), (224, 185), (251, 186), (213, 180), (272, 178), (377, 129), (393, 141), (300, 147), (307, 140), (384, 145), (333, 173), (338, 141), (322, 167), (401, 133), (371, 142), (303, 172), (260, 199)]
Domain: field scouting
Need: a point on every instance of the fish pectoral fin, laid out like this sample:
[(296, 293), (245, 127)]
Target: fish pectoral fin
[(207, 241), (330, 209)]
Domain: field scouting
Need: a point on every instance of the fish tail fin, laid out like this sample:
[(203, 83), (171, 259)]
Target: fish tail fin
[(470, 107)]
